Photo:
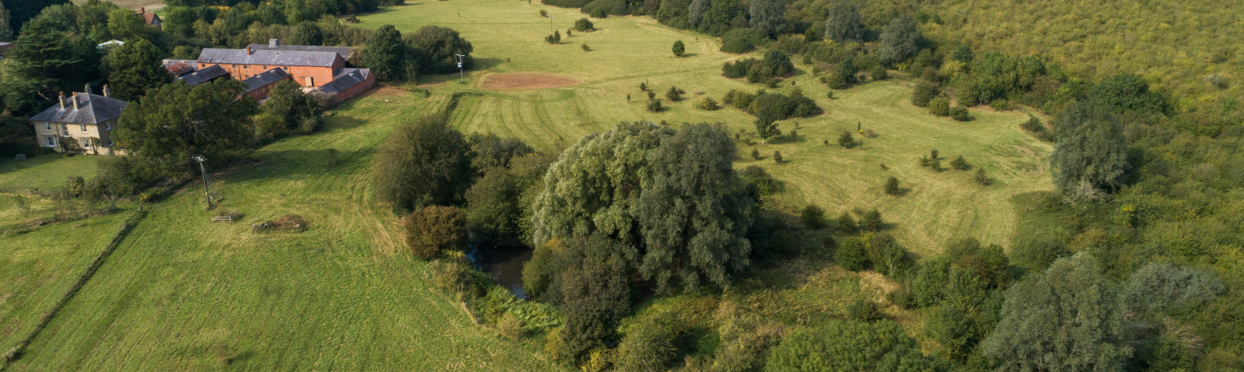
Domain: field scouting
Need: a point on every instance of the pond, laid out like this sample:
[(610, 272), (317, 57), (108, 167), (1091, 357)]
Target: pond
[(503, 264)]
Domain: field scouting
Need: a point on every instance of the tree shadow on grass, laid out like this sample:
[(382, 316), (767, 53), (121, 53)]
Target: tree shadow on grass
[(291, 164)]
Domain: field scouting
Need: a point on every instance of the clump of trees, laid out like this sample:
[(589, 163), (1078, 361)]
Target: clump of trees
[(1090, 153), (423, 162), (179, 120), (850, 345), (287, 109), (771, 107), (429, 50), (775, 65), (433, 229), (583, 24)]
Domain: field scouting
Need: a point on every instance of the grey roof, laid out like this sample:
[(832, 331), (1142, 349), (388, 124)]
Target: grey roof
[(269, 57), (264, 79), (204, 75), (347, 78), (344, 52), (92, 109), (170, 62)]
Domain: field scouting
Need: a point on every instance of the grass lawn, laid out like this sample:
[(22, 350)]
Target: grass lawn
[(36, 268), (45, 172), (935, 207), (183, 293)]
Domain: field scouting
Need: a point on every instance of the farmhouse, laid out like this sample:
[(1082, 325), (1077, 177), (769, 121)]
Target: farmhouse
[(150, 18), (81, 123), (312, 67)]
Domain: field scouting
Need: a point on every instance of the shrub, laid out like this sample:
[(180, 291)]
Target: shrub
[(879, 73), (812, 216), (764, 182), (652, 95), (960, 113), (1000, 104), (864, 310), (958, 163), (434, 229), (777, 157), (935, 165), (933, 154), (555, 38), (953, 331), (891, 186), (674, 94), (598, 13), (679, 49), (846, 224), (925, 161), (925, 91), (643, 87), (846, 140), (654, 105), (939, 107), (981, 178), (648, 346), (850, 345), (585, 47), (510, 327), (756, 154), (871, 221), (778, 62), (707, 104), (583, 24), (851, 254), (1033, 125)]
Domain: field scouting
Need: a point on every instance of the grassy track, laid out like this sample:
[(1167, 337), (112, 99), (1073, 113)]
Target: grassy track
[(629, 50), (182, 293)]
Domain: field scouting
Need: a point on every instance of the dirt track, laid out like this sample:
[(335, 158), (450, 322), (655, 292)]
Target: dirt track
[(526, 81)]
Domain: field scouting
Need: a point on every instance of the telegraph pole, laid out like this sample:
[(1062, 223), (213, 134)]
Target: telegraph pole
[(461, 79), (550, 22), (206, 194)]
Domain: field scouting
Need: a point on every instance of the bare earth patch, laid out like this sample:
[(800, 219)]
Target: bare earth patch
[(526, 81)]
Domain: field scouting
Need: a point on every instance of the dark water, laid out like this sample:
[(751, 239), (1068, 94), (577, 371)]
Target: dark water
[(503, 264)]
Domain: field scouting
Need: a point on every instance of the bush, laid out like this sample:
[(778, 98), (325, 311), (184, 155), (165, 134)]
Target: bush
[(434, 229), (643, 87), (598, 13), (879, 73), (981, 178), (851, 254), (740, 41), (510, 327), (1000, 104), (864, 310), (585, 47), (939, 107), (422, 163), (958, 163), (846, 224), (654, 105), (583, 24), (555, 38), (935, 165), (674, 94), (649, 346), (652, 95), (764, 182), (850, 345), (1033, 125), (756, 154), (707, 104), (933, 154), (679, 49), (960, 113), (846, 140), (891, 186), (812, 216), (544, 13), (871, 221), (925, 91), (777, 157)]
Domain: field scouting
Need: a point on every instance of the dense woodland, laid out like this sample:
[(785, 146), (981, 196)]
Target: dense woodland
[(1134, 263)]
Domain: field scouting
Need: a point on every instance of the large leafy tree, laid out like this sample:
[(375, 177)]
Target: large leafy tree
[(672, 195), (125, 24), (22, 11), (1128, 92), (899, 40), (1068, 319), (695, 12), (844, 23), (306, 33), (387, 56), (768, 16), (422, 163), (134, 68), (6, 26), (179, 120), (1090, 153), (436, 49), (287, 109), (595, 294), (47, 60)]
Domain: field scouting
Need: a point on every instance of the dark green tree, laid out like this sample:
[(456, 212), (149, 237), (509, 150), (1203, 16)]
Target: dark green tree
[(963, 53), (386, 56), (899, 40), (424, 162), (851, 254), (436, 48), (778, 62), (953, 331), (21, 11), (287, 109), (306, 33), (125, 24), (135, 68), (1128, 92), (689, 204), (767, 16), (1067, 319), (595, 294), (849, 345), (925, 91), (891, 186), (695, 11), (679, 48), (583, 24), (844, 23), (434, 229), (47, 60), (812, 217), (1090, 152), (6, 29), (176, 121)]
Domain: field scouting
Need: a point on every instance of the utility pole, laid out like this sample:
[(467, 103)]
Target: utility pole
[(550, 22), (461, 79), (206, 194)]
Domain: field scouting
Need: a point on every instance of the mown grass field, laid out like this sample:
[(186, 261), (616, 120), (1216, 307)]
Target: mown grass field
[(183, 293), (935, 207), (45, 172)]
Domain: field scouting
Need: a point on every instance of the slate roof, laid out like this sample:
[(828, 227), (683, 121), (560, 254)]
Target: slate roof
[(344, 52), (264, 79), (347, 78), (179, 69), (269, 57), (204, 75), (92, 109)]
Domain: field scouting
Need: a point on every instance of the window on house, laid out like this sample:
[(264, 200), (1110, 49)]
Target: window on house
[(51, 141), (47, 127), (83, 128), (64, 128), (86, 143), (108, 126)]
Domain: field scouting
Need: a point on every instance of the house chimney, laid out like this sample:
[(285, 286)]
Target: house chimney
[(141, 10), (248, 50), (75, 101), (273, 43), (88, 89), (107, 92), (62, 100)]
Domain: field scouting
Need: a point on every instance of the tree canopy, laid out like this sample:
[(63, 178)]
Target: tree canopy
[(424, 162), (387, 56), (671, 195), (850, 345), (899, 40), (436, 49), (179, 120), (1090, 152), (768, 16), (134, 68), (844, 23), (1067, 319)]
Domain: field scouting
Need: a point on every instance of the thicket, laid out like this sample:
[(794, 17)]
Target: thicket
[(775, 65), (433, 229), (423, 162)]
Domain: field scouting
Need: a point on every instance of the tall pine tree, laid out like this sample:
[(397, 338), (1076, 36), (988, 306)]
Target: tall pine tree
[(135, 67)]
